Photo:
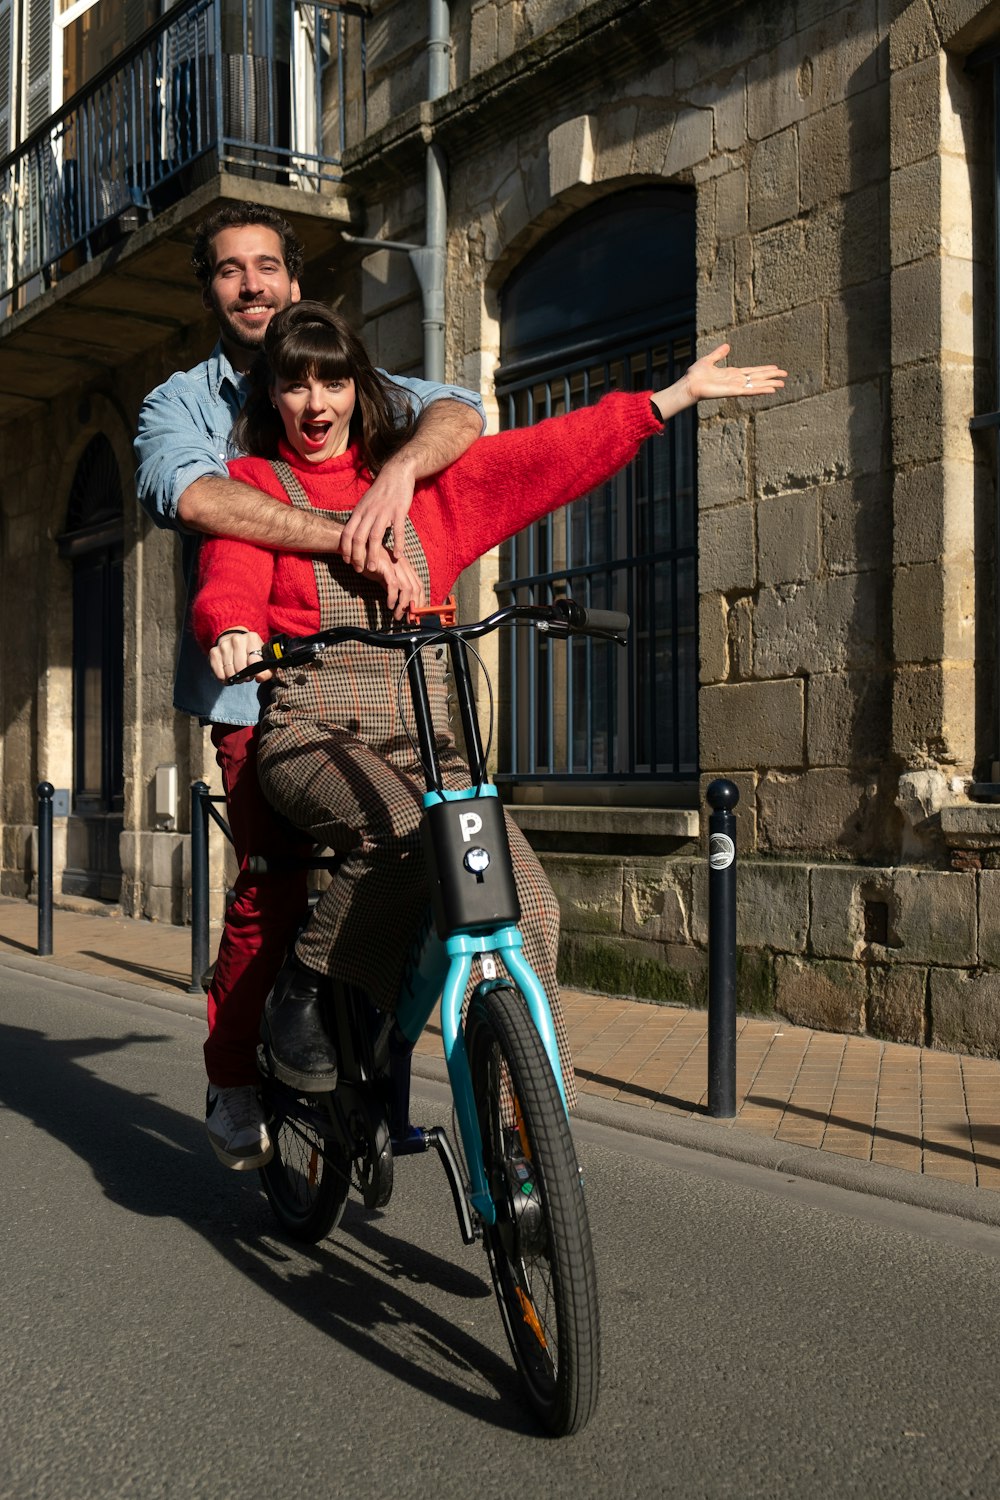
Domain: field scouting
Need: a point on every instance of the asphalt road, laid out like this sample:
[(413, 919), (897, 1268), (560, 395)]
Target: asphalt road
[(763, 1336)]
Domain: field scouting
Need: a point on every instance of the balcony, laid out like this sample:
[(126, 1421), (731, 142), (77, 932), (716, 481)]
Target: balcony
[(98, 205)]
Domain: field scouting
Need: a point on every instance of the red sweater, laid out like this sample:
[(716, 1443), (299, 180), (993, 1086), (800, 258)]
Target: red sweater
[(499, 485)]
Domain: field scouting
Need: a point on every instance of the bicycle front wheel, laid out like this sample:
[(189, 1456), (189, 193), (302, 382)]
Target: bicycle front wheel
[(306, 1181), (539, 1249)]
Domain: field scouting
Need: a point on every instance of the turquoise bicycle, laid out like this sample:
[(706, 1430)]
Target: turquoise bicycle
[(521, 1190)]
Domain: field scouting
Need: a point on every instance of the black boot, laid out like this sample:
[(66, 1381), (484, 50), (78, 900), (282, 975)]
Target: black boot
[(302, 1054)]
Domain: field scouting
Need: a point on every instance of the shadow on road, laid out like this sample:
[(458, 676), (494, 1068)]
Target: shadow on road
[(153, 1160)]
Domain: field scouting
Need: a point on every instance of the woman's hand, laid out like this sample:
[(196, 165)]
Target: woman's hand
[(402, 586), (708, 379), (235, 649)]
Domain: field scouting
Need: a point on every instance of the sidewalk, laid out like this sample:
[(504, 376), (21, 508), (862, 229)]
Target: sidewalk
[(899, 1121)]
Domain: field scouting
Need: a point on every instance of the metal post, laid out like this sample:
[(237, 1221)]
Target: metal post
[(199, 884), (45, 794), (722, 798)]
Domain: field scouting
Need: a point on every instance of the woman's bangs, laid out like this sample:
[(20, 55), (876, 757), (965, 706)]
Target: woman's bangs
[(312, 354)]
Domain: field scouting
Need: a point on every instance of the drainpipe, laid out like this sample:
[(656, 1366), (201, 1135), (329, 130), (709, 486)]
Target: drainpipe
[(428, 259)]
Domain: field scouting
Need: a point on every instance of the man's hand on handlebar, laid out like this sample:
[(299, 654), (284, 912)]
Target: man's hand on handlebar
[(402, 586), (235, 649)]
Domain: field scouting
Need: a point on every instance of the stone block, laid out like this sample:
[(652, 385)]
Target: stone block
[(826, 811), (589, 891), (713, 638), (571, 154), (857, 524), (722, 462), (913, 35), (788, 537), (936, 918), (615, 142), (965, 1011), (716, 292), (845, 48), (956, 208), (915, 211), (933, 607), (731, 204), (932, 310), (794, 340), (774, 180), (897, 1003), (828, 625), (690, 142), (859, 334), (836, 925), (483, 39), (751, 724), (933, 512), (726, 548), (631, 968), (387, 278), (836, 435), (914, 120), (772, 905), (848, 719), (933, 718), (844, 148), (989, 918), (657, 900), (826, 995), (729, 110), (932, 403), (779, 89), (740, 632)]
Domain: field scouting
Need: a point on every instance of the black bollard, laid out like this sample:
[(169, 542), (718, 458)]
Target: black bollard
[(200, 796), (46, 791), (722, 798)]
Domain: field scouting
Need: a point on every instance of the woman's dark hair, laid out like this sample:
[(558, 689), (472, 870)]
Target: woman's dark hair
[(310, 341)]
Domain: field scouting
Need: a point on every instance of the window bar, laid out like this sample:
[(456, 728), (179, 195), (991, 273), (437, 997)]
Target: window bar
[(569, 562)]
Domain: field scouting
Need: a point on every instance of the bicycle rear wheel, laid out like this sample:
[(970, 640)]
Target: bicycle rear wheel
[(539, 1249), (305, 1181)]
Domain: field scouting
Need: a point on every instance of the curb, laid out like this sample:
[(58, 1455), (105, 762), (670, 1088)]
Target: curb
[(979, 1205)]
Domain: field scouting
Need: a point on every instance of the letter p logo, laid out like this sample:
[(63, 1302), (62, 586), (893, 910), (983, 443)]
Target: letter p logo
[(470, 824)]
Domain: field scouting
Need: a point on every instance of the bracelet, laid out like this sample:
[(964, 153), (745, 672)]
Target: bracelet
[(233, 630)]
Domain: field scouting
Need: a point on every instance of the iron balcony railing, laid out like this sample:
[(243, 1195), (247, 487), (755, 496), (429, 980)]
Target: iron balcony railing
[(273, 91)]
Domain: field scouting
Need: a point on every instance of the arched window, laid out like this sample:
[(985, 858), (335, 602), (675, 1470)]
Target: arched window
[(607, 302), (93, 541)]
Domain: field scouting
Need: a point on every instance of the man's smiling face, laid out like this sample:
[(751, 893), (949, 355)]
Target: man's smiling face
[(250, 283)]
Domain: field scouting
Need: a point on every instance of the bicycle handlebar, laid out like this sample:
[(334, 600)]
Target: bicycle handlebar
[(563, 618)]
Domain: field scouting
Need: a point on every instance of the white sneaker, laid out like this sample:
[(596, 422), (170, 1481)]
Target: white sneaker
[(236, 1127)]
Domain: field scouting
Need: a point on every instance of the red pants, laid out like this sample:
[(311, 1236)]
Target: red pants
[(262, 920)]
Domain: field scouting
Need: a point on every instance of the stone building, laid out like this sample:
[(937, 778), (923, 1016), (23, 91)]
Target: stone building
[(596, 189)]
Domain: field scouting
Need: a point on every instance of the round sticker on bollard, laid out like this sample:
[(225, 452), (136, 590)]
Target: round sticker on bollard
[(721, 851)]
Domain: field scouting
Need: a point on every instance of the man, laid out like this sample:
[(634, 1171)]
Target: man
[(249, 260)]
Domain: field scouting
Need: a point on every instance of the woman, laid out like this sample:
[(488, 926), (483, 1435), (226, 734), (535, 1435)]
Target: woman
[(334, 755)]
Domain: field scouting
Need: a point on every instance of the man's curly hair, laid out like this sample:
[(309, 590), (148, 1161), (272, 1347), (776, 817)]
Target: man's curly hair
[(240, 216)]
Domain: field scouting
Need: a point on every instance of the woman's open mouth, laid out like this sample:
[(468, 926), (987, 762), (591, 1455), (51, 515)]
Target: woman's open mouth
[(315, 434)]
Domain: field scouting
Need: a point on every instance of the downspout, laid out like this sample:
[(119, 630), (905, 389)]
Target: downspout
[(428, 260)]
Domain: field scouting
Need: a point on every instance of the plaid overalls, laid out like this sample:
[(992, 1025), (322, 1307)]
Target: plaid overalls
[(335, 759)]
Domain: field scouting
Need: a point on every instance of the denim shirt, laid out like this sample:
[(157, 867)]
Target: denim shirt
[(183, 434)]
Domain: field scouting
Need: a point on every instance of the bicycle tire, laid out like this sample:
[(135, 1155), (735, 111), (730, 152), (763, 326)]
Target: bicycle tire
[(543, 1268), (305, 1184)]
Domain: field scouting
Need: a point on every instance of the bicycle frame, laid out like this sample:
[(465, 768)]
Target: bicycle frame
[(442, 955)]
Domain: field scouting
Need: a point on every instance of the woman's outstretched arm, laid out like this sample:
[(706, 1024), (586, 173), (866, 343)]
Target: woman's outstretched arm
[(505, 482)]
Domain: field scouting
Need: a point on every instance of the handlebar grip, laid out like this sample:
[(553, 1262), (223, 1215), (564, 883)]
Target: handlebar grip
[(577, 615), (607, 619)]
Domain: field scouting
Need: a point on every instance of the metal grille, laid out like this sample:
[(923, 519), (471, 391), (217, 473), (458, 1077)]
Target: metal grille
[(586, 709)]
